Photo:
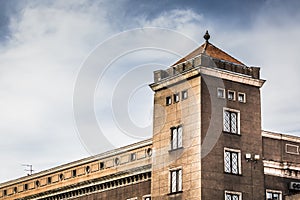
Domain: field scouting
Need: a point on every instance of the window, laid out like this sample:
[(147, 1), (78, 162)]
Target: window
[(231, 95), (184, 94), (87, 169), (4, 192), (176, 137), (231, 120), (233, 195), (176, 180), (292, 149), (221, 93), (147, 197), (49, 180), (74, 173), (168, 100), (273, 195), (132, 156), (25, 186), (37, 183), (242, 97), (117, 161), (101, 165), (176, 97), (232, 161)]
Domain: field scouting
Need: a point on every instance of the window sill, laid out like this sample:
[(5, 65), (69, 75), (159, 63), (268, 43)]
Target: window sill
[(174, 193), (233, 174), (174, 150), (229, 133)]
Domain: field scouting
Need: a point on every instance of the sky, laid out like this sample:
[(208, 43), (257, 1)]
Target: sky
[(51, 51)]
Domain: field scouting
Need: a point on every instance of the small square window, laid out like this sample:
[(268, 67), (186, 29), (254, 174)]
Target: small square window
[(231, 95), (168, 100), (184, 94), (221, 93), (242, 97), (176, 97), (133, 156)]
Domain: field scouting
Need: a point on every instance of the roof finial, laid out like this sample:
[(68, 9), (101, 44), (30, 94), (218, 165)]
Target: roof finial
[(206, 36)]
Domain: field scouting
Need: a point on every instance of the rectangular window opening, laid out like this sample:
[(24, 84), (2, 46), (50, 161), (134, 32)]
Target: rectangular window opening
[(232, 161), (176, 137), (176, 97), (231, 121), (184, 94), (242, 97), (176, 181), (168, 100), (221, 93), (231, 95), (233, 195)]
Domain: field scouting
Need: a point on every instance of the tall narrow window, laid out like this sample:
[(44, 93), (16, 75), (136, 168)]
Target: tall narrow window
[(176, 97), (176, 137), (233, 195), (232, 161), (231, 121), (176, 180)]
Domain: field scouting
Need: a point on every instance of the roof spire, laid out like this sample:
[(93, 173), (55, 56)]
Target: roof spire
[(206, 36)]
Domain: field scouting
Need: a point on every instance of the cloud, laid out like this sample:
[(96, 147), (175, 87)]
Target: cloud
[(49, 41)]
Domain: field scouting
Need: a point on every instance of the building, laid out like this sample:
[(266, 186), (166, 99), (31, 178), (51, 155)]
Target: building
[(207, 144)]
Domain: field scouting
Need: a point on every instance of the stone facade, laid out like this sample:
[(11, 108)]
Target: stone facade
[(207, 144)]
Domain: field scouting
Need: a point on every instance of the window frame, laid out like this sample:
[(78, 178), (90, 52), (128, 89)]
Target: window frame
[(273, 192), (178, 177), (239, 161), (223, 92), (233, 193), (179, 141), (147, 197), (184, 94), (244, 98), (176, 97), (168, 100), (234, 95), (238, 127)]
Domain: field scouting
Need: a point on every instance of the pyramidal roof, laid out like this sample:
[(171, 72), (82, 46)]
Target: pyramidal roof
[(211, 51)]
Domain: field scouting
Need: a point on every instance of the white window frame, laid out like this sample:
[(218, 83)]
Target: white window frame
[(274, 191), (290, 152), (239, 160), (244, 94), (223, 92), (146, 197), (238, 120), (234, 193), (133, 198), (234, 95)]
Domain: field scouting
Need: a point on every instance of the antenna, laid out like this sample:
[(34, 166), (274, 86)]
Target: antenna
[(28, 169)]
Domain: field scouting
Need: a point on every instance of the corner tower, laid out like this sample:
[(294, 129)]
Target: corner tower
[(207, 120)]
